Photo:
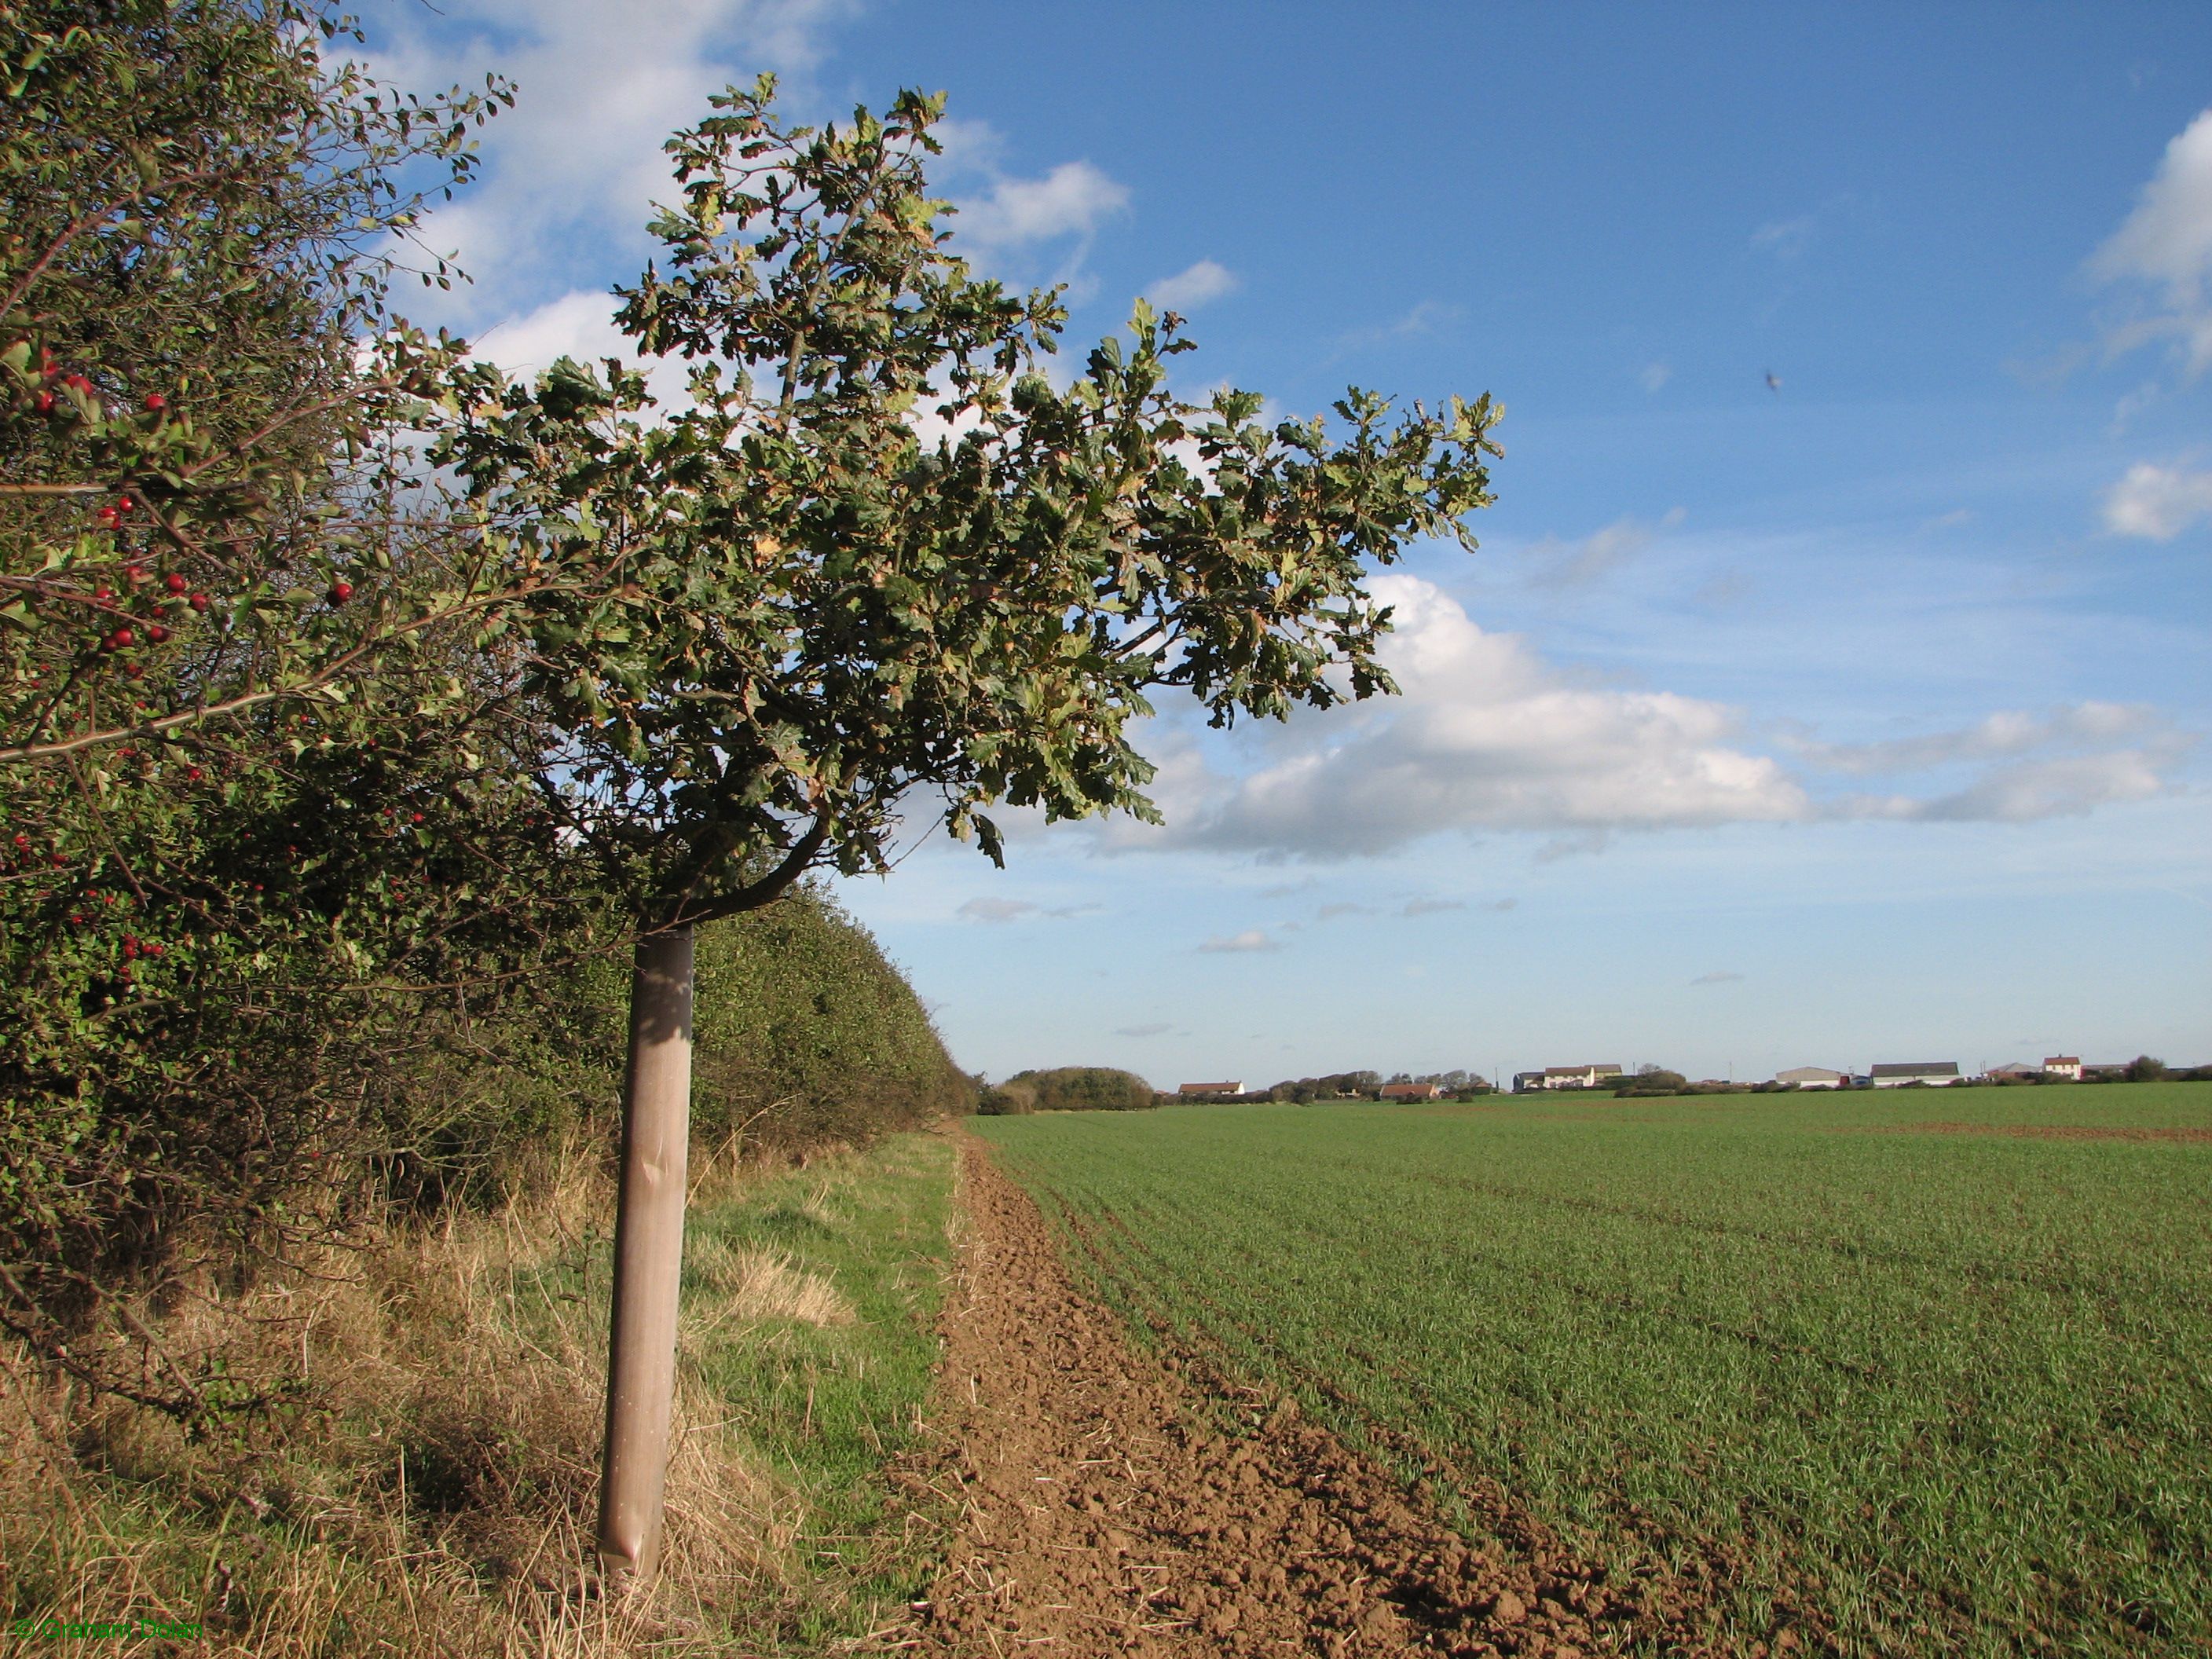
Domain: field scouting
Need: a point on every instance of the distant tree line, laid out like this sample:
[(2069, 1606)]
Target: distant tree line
[(1068, 1089), (1367, 1085)]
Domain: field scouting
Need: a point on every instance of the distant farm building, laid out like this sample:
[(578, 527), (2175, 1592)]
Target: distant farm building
[(2014, 1069), (1895, 1074), (1209, 1091), (1812, 1077), (1566, 1077), (1412, 1090), (2066, 1066)]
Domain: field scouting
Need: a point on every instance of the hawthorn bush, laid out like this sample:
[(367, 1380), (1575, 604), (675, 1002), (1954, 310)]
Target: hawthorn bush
[(289, 928), (807, 1034), (270, 856)]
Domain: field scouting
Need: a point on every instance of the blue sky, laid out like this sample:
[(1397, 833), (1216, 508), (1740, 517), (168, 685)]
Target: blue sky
[(1855, 717)]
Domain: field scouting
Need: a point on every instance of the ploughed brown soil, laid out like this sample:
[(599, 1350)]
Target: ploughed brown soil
[(1102, 1509), (2048, 1132)]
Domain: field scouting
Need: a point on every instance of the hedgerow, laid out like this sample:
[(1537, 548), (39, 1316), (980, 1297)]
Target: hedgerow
[(288, 929)]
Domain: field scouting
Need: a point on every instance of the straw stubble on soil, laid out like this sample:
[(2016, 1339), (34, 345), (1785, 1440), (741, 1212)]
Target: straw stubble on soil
[(1102, 1506)]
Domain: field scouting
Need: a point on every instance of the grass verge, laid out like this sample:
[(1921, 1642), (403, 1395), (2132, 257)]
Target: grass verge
[(429, 1490)]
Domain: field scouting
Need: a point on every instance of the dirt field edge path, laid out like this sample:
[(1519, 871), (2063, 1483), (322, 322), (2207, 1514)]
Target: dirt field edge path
[(1097, 1510)]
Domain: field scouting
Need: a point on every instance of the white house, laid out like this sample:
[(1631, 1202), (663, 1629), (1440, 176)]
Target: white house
[(1580, 1077), (1812, 1077), (1897, 1074), (2066, 1066)]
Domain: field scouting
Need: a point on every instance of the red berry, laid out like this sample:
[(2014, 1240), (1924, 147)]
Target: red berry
[(417, 818), (134, 671), (78, 383), (199, 602), (155, 400), (108, 517), (157, 633), (341, 591), (103, 592), (193, 773), (44, 403), (22, 843), (129, 947), (124, 639), (174, 583)]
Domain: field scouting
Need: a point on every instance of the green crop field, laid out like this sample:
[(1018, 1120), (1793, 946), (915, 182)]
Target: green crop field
[(1897, 1389)]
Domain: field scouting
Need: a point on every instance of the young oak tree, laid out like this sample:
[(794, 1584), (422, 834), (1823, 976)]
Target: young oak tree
[(881, 558)]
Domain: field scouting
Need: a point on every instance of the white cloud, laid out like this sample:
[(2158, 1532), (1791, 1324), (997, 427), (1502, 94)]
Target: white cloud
[(1252, 938), (1488, 736), (2166, 242), (1485, 735), (1785, 238), (2062, 764), (1430, 906), (1654, 375), (2158, 502), (1004, 909), (1718, 977), (573, 167), (582, 325), (1428, 317), (1073, 199), (1570, 564), (2069, 786), (2005, 735), (1187, 291), (996, 910), (1152, 1028)]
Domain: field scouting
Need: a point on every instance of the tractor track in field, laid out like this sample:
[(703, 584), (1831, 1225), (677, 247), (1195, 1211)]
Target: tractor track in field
[(1099, 1507)]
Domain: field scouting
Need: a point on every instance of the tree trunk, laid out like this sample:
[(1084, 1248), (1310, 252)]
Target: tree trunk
[(648, 1255)]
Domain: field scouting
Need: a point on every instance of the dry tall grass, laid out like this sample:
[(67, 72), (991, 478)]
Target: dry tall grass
[(432, 1492)]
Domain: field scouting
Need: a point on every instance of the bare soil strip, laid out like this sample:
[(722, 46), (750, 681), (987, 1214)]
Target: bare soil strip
[(1099, 1511), (2046, 1132)]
